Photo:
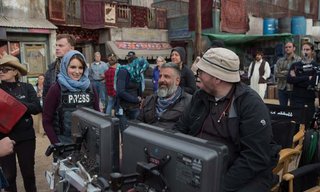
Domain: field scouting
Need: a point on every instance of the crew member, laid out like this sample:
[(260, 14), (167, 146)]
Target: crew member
[(228, 111)]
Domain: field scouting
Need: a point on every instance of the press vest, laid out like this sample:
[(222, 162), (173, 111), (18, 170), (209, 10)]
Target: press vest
[(69, 102)]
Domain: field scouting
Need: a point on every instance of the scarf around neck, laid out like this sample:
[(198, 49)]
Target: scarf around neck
[(163, 103), (65, 80)]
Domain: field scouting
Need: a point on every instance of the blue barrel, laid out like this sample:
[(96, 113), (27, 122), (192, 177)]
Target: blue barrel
[(285, 25), (269, 26), (298, 25), (276, 24)]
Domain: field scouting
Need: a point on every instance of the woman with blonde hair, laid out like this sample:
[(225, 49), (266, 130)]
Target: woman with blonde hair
[(156, 72)]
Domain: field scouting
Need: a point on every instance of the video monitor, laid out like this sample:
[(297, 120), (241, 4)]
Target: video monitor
[(100, 141), (170, 161)]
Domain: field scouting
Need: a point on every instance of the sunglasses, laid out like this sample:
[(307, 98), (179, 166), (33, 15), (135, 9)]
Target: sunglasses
[(6, 69)]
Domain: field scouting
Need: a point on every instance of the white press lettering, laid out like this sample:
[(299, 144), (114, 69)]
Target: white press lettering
[(70, 99)]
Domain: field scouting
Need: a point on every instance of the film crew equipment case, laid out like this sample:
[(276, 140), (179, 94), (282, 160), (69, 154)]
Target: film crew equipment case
[(194, 164), (100, 144), (11, 110)]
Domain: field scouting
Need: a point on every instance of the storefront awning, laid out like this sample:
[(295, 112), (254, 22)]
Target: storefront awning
[(241, 38), (148, 50), (30, 23)]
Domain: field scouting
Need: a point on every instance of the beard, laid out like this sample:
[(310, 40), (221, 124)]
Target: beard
[(165, 91)]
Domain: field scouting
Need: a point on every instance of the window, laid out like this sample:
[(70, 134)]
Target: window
[(123, 12), (293, 4), (307, 6), (35, 57)]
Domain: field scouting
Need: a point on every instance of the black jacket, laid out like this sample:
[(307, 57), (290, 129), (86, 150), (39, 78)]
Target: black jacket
[(50, 77), (250, 143), (169, 117), (188, 81), (302, 85), (25, 93), (127, 91)]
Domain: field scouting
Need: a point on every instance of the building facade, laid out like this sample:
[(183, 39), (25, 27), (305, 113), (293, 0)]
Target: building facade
[(112, 27), (27, 34)]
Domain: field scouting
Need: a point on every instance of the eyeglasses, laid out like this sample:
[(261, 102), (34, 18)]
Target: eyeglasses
[(6, 69), (198, 73)]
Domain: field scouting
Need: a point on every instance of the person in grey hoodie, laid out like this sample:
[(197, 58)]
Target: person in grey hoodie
[(188, 81)]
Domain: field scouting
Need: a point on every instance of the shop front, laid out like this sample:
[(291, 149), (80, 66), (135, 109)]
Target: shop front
[(147, 43), (31, 40), (148, 50)]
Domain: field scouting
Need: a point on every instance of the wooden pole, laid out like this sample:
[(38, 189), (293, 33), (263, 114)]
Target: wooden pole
[(198, 30)]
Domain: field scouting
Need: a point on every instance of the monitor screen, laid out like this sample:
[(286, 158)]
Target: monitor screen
[(100, 141), (185, 163)]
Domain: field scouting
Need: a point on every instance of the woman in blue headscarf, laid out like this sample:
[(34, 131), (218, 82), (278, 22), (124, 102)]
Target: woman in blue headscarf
[(129, 84), (71, 91)]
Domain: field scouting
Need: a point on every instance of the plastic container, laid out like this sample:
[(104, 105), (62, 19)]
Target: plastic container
[(284, 25), (269, 26), (298, 25)]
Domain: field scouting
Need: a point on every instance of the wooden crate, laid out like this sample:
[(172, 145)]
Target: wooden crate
[(271, 92)]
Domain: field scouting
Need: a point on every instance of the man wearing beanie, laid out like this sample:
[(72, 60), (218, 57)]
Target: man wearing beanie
[(188, 82), (228, 111)]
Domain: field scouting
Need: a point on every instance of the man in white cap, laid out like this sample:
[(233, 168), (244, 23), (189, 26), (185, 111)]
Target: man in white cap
[(228, 111)]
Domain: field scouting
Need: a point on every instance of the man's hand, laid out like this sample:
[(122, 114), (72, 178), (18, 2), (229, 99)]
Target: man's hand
[(6, 146)]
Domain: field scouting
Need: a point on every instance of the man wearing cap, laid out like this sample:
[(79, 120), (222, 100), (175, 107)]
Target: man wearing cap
[(22, 133), (131, 56), (228, 111)]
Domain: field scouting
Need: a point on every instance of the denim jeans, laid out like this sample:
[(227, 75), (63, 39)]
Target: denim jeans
[(110, 106), (284, 97), (100, 86)]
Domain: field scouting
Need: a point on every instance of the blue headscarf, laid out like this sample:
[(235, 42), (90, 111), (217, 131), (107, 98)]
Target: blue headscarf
[(63, 78), (136, 71)]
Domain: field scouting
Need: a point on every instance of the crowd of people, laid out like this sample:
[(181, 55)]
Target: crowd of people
[(208, 101)]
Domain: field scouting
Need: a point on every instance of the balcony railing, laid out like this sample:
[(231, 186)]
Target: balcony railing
[(113, 14)]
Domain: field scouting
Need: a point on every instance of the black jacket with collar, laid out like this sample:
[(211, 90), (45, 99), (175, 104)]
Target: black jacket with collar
[(251, 147), (25, 93)]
